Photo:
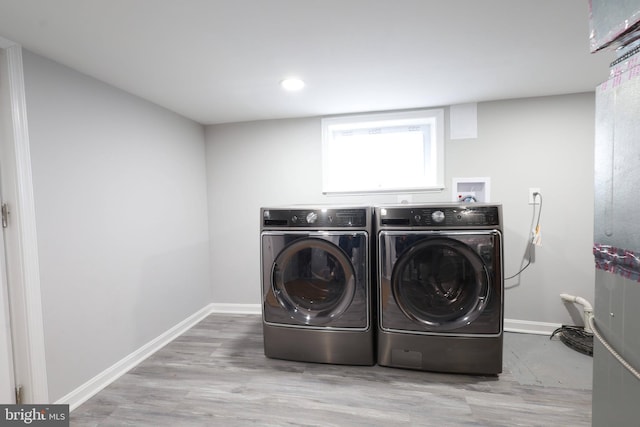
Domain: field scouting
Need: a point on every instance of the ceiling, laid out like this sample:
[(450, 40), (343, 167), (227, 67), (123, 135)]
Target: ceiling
[(219, 61)]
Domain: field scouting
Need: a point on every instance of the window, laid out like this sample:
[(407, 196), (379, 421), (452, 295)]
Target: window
[(383, 152)]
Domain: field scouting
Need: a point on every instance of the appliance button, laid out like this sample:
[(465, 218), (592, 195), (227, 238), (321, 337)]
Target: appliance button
[(437, 216), (312, 217), (417, 218), (294, 218)]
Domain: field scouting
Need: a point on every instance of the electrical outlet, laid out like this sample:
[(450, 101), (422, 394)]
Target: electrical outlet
[(532, 199)]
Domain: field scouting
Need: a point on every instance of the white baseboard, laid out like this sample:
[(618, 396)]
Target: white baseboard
[(106, 377), (236, 308), (510, 325), (530, 327)]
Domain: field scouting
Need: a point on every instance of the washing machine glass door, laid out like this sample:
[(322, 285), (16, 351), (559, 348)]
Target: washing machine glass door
[(440, 283), (313, 280)]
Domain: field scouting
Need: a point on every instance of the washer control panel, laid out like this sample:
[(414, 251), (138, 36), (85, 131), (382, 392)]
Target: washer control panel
[(440, 216), (315, 218)]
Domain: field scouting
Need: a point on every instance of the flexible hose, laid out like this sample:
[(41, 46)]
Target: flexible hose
[(610, 349)]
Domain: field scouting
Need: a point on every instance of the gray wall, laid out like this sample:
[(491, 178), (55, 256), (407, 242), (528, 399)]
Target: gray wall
[(539, 142), (120, 196)]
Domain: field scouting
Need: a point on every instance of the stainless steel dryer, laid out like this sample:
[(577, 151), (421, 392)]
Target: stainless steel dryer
[(440, 287), (316, 285)]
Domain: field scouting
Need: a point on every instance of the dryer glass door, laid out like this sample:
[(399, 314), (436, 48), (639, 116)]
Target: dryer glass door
[(313, 279), (441, 283)]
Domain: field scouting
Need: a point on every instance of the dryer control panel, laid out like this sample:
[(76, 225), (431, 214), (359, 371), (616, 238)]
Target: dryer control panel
[(440, 216), (316, 218)]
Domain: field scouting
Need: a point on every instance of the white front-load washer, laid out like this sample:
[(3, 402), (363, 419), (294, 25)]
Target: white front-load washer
[(316, 284), (440, 287)]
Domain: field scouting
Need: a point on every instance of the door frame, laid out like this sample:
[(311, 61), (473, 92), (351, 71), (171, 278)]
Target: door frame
[(7, 376), (23, 269)]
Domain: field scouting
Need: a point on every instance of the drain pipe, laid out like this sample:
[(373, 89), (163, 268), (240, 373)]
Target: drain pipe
[(590, 326), (587, 309)]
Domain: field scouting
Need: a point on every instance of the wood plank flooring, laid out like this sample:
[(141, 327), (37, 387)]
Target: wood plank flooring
[(217, 375)]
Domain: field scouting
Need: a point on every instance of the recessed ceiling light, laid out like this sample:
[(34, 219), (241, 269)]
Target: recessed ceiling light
[(292, 84)]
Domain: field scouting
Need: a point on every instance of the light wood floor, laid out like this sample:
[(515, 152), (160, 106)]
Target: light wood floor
[(216, 375)]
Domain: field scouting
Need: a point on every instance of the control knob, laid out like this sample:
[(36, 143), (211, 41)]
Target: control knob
[(312, 217), (437, 216)]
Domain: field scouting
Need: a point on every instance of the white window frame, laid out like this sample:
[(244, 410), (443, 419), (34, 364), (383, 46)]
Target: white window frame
[(430, 178)]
